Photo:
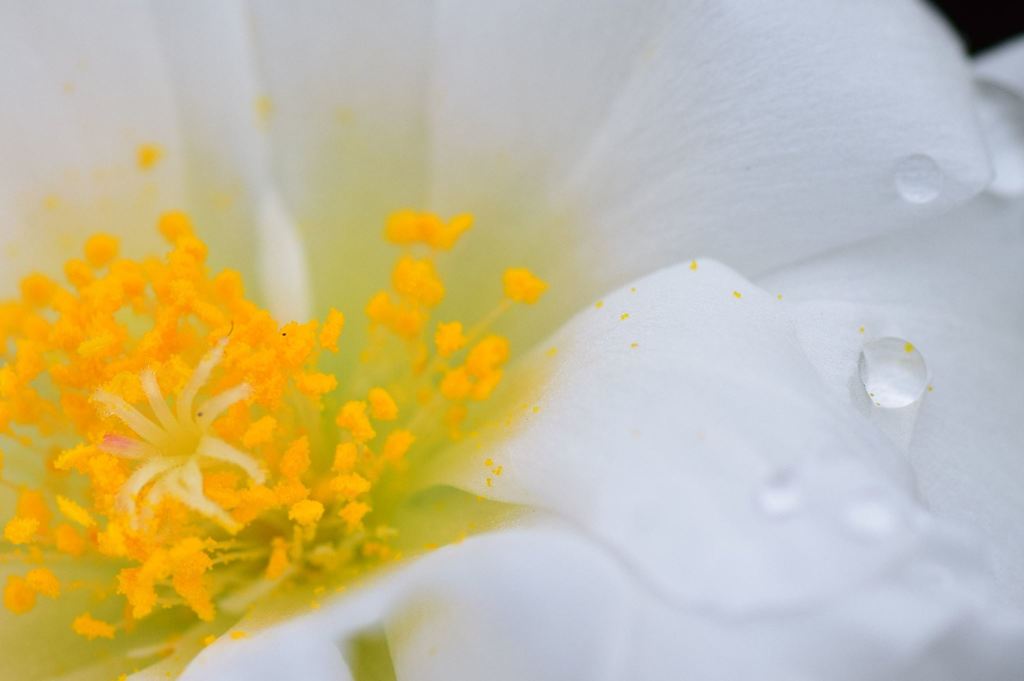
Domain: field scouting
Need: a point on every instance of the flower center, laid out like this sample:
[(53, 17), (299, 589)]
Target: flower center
[(190, 443)]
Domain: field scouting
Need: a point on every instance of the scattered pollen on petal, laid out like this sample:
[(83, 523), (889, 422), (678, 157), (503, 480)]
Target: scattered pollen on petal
[(148, 155)]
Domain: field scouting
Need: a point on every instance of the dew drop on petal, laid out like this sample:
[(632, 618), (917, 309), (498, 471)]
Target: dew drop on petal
[(779, 495), (918, 179), (893, 371)]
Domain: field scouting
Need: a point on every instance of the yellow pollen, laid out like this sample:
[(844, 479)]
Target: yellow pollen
[(418, 280), (306, 512), (238, 635), (449, 338), (147, 155), (353, 419), (382, 405), (91, 628), (331, 330), (737, 295), (693, 265), (19, 596), (350, 485), (43, 582), (20, 530), (522, 286), (69, 541), (410, 227), (353, 513), (259, 432), (396, 445), (295, 461), (624, 316), (908, 347), (101, 249), (345, 455), (74, 512), (599, 304)]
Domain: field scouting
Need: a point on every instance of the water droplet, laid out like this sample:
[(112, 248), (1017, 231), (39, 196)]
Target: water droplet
[(871, 517), (893, 372), (918, 179), (780, 496)]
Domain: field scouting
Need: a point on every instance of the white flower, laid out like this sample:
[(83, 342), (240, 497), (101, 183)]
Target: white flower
[(711, 493)]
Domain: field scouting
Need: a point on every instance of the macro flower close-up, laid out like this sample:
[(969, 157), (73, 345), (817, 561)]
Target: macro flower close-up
[(403, 341)]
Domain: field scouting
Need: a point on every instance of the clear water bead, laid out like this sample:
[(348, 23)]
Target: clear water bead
[(780, 495), (918, 179), (893, 372)]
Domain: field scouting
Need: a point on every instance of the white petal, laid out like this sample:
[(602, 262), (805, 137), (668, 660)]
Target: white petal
[(956, 290), (610, 138), (667, 451), (752, 132), (536, 605), (541, 602), (69, 131), (283, 652), (96, 82), (1000, 74), (1004, 65)]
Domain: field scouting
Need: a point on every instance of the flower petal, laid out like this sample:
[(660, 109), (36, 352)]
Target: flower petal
[(73, 136), (1000, 74), (682, 426), (71, 133), (1004, 64), (599, 141), (542, 602), (956, 290)]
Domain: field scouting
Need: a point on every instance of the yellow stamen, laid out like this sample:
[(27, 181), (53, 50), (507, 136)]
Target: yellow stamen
[(523, 286), (187, 434), (382, 405), (306, 512), (89, 627)]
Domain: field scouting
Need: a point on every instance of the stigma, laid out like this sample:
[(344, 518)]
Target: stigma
[(171, 451)]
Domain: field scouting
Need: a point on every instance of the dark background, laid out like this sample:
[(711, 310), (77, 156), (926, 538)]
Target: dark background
[(984, 23)]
